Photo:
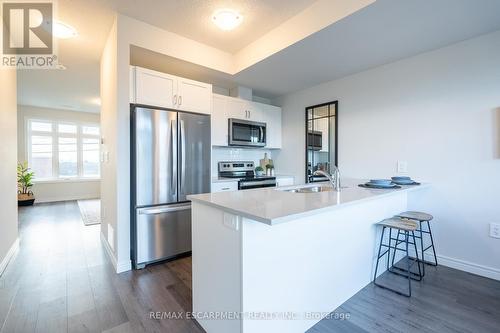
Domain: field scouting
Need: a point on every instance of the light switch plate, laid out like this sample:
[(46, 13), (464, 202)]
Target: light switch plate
[(495, 230), (402, 167)]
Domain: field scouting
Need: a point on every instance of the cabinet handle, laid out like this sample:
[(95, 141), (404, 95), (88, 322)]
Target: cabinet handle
[(180, 100), (175, 99), (225, 188)]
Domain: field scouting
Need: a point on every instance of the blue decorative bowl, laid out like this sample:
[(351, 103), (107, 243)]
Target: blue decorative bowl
[(401, 178), (380, 181)]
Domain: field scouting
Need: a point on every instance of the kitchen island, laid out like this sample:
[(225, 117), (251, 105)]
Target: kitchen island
[(273, 260)]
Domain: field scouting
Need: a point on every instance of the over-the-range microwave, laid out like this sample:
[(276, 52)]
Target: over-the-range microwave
[(246, 133), (314, 140)]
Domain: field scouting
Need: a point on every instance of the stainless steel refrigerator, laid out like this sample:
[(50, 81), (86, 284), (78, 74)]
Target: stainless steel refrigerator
[(170, 159)]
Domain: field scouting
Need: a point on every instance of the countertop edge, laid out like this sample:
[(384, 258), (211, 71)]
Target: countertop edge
[(283, 219)]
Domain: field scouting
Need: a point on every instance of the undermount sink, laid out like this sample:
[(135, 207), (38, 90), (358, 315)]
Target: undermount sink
[(309, 189)]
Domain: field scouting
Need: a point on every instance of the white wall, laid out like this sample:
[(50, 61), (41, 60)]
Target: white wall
[(55, 190), (8, 183), (440, 112), (110, 188)]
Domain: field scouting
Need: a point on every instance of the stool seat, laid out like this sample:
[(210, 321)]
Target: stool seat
[(399, 223), (418, 216)]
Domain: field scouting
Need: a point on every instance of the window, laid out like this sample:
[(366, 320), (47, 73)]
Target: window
[(63, 150)]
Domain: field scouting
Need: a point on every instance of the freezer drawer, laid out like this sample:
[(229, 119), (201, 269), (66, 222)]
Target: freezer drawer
[(163, 232)]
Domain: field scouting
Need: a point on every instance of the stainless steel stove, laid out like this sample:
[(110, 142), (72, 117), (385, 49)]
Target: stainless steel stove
[(244, 170)]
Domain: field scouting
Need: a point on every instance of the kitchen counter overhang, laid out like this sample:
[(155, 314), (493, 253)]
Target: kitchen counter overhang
[(276, 205)]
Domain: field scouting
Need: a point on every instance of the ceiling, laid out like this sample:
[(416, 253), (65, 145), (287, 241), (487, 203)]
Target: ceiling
[(383, 32), (77, 87), (192, 18)]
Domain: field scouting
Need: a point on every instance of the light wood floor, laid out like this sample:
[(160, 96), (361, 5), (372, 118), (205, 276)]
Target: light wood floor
[(62, 281)]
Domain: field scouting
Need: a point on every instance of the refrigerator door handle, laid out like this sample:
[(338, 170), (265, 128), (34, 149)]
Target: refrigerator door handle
[(173, 153), (183, 158), (162, 210)]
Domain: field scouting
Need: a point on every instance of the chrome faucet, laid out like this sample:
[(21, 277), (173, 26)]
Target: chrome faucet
[(335, 180)]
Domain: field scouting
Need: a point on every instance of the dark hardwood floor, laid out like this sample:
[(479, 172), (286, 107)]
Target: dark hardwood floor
[(62, 281)]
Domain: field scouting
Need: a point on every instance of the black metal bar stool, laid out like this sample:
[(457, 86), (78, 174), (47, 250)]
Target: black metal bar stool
[(422, 218), (407, 228)]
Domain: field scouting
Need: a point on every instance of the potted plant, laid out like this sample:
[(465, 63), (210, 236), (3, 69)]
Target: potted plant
[(269, 169), (25, 196), (259, 171)]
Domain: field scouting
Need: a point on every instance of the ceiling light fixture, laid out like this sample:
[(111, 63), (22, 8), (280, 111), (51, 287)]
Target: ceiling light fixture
[(227, 19), (64, 31)]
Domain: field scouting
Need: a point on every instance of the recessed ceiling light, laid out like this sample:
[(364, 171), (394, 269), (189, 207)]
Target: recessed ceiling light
[(227, 19), (63, 30)]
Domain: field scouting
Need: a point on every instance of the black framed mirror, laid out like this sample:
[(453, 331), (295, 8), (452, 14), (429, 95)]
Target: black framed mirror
[(321, 139)]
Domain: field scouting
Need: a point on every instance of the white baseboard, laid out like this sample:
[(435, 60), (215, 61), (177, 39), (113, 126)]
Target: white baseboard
[(469, 267), (462, 265), (10, 254), (120, 267)]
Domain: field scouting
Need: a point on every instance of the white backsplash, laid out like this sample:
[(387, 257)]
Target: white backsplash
[(220, 154)]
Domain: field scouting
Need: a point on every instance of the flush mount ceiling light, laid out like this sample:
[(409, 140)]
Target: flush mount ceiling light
[(227, 19), (63, 30)]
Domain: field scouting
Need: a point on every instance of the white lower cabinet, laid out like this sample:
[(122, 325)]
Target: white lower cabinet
[(224, 186), (285, 181)]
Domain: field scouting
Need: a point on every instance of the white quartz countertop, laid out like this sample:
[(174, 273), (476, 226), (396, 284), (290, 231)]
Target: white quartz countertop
[(273, 205)]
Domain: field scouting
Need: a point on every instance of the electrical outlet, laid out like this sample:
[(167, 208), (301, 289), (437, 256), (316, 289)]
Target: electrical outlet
[(402, 167), (495, 230)]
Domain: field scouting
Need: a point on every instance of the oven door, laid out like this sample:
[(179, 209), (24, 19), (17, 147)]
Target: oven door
[(246, 133)]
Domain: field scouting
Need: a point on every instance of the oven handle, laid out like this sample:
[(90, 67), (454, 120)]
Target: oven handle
[(253, 183)]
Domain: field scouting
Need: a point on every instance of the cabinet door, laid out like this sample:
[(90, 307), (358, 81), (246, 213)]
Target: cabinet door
[(219, 121), (236, 108), (194, 96), (284, 181), (256, 111), (273, 120), (154, 88), (224, 187)]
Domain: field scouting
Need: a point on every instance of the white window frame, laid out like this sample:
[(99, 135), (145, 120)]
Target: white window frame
[(80, 177)]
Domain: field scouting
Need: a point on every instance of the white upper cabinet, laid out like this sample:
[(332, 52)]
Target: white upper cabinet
[(273, 119), (159, 89), (256, 111), (219, 121), (225, 107), (154, 88), (194, 96), (236, 108)]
